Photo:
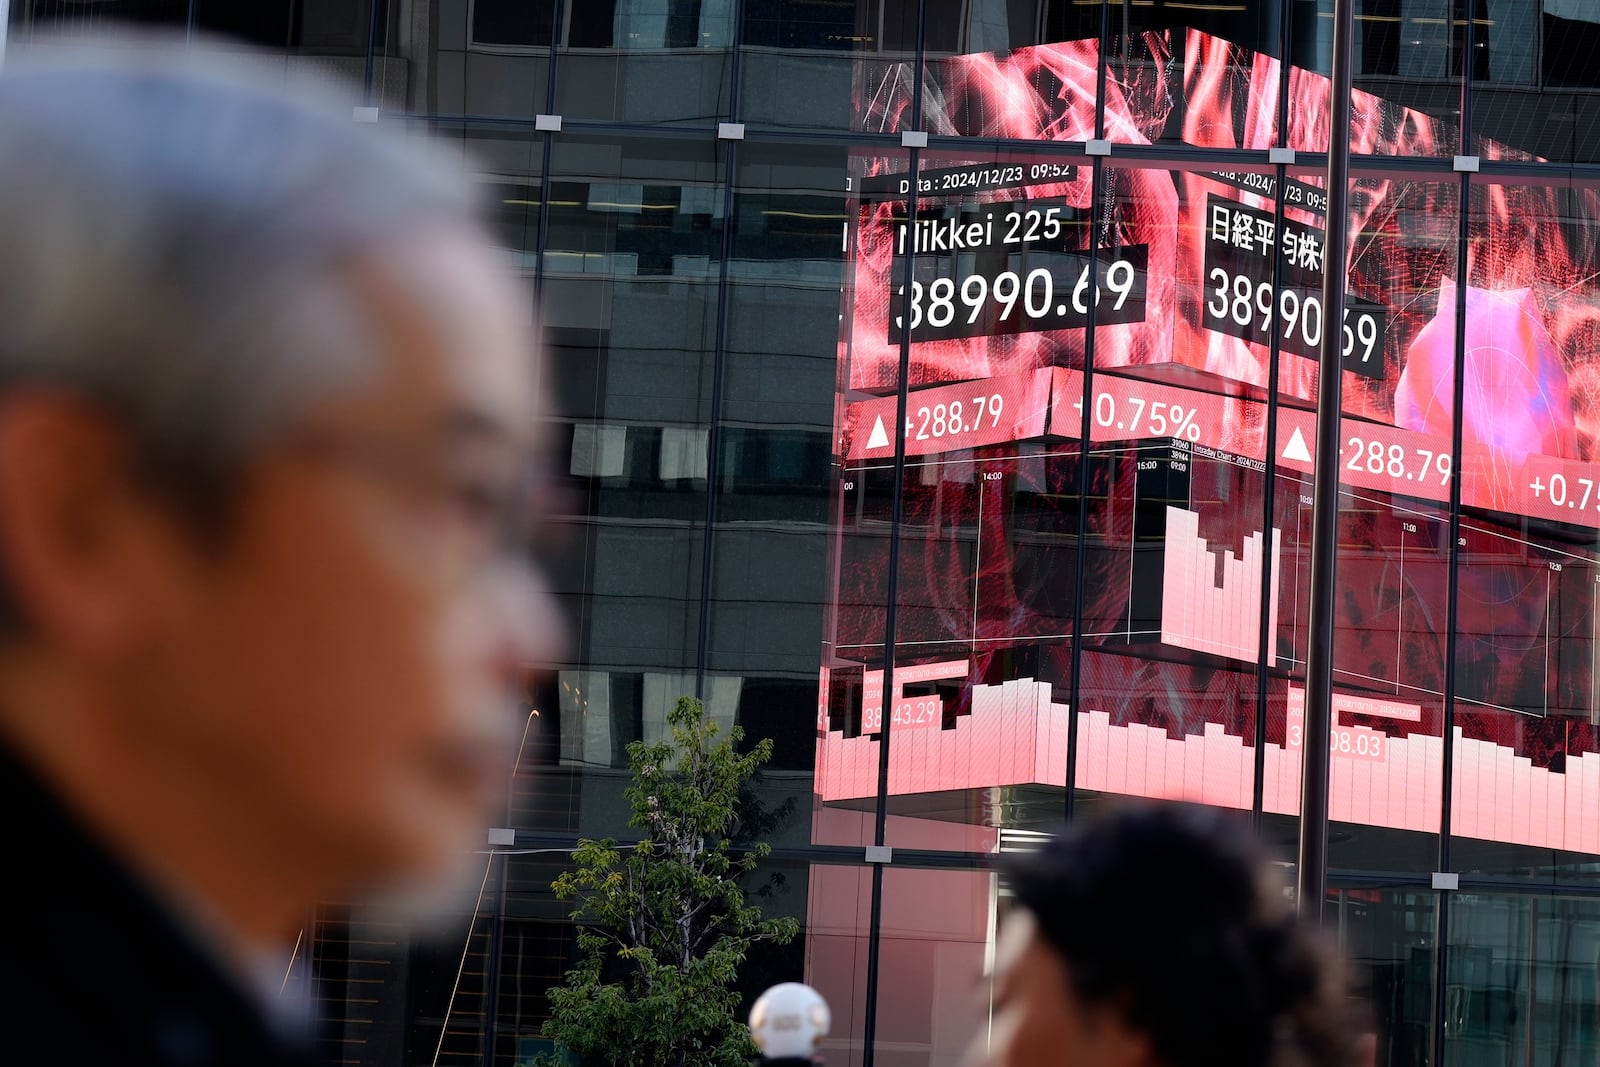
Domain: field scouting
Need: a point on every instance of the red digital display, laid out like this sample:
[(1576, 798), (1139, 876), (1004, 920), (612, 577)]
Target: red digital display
[(983, 267), (1129, 409), (912, 712), (950, 417)]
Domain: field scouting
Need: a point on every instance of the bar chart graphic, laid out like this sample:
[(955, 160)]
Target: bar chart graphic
[(1207, 612), (1017, 734)]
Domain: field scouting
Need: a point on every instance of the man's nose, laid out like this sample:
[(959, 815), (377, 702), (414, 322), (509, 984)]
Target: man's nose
[(526, 628)]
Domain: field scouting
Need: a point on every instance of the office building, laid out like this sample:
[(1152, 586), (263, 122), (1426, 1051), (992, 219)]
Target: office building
[(984, 331)]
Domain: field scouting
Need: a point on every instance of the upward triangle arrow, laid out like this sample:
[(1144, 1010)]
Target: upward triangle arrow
[(879, 437), (1296, 448)]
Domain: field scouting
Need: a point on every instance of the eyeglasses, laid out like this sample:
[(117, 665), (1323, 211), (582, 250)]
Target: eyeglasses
[(485, 495)]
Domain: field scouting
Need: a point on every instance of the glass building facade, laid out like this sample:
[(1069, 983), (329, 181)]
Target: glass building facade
[(932, 387)]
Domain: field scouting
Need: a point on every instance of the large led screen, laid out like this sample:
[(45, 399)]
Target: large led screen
[(1196, 278)]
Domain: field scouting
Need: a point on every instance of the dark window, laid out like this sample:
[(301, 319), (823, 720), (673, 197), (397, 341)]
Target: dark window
[(1570, 47), (519, 23), (595, 25)]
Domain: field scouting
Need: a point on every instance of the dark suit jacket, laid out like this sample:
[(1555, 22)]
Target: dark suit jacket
[(94, 970)]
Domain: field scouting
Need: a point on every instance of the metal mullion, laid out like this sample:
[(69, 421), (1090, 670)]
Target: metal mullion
[(1441, 961), (1085, 431), (1259, 768), (1100, 78), (547, 157), (1311, 866), (713, 436), (543, 236), (735, 59), (896, 527), (1269, 500), (370, 71)]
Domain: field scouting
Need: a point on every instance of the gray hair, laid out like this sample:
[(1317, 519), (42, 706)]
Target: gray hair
[(173, 224)]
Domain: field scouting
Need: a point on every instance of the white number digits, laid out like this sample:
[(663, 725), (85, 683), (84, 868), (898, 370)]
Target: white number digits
[(1046, 291), (1355, 457), (1158, 419), (1105, 409), (1243, 294), (1397, 461), (1080, 301), (974, 291), (1220, 308), (1052, 223), (1033, 296), (1375, 457), (1363, 335), (941, 302), (1120, 281), (916, 306), (1289, 307), (1367, 328), (1007, 287), (1032, 234), (1312, 339), (1240, 301)]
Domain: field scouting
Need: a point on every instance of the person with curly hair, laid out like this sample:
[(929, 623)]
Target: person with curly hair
[(1162, 936)]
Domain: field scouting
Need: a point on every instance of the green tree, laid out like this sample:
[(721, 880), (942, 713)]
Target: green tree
[(664, 924)]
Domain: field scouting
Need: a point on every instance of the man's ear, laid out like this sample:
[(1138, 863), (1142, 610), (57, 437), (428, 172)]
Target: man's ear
[(66, 537)]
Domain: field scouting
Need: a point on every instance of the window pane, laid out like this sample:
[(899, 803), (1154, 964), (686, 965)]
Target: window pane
[(1521, 981), (777, 482), (629, 299), (514, 23), (645, 60), (935, 943), (1528, 682), (1537, 94), (490, 58), (833, 64), (1387, 935)]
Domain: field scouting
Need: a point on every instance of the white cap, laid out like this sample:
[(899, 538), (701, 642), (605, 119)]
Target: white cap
[(789, 1021)]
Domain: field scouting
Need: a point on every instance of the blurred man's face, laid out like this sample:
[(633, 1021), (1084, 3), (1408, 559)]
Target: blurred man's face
[(1037, 1019), (343, 664)]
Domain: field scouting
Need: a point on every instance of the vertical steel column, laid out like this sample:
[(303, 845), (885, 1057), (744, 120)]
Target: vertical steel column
[(869, 1030), (367, 77), (494, 963), (719, 360), (1085, 429), (541, 238), (1447, 726), (1311, 871), (1269, 497), (1269, 507)]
